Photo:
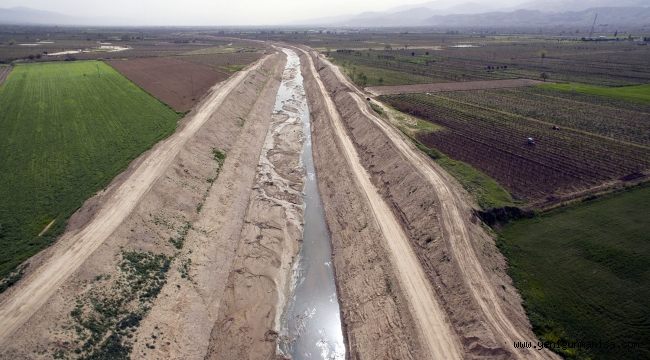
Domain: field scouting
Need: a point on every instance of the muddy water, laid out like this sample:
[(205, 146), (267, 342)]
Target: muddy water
[(311, 323)]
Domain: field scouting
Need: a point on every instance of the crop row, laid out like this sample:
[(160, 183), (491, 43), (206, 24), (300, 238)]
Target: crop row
[(555, 162), (615, 64), (588, 114)]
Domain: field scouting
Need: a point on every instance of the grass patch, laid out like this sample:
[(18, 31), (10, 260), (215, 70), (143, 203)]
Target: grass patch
[(378, 109), (219, 157), (106, 317), (233, 68), (67, 128), (179, 240), (583, 272), (487, 192), (634, 93), (12, 278)]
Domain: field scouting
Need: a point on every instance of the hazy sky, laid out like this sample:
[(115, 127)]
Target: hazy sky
[(217, 12)]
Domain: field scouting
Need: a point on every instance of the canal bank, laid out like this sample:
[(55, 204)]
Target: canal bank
[(311, 323)]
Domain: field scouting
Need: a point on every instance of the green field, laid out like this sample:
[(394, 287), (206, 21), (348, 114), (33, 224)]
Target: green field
[(67, 129), (371, 76), (584, 273), (635, 93)]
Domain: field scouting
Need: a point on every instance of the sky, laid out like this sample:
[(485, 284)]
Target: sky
[(216, 12)]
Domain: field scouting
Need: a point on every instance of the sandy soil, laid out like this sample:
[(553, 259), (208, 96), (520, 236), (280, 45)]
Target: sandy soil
[(179, 84), (460, 258), (187, 317), (150, 201), (434, 329), (374, 311), (453, 86), (249, 319)]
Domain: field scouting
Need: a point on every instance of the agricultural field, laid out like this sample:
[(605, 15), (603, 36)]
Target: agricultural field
[(177, 83), (638, 93), (583, 272), (35, 44), (610, 64), (68, 129), (621, 120), (223, 62), (451, 86), (559, 162)]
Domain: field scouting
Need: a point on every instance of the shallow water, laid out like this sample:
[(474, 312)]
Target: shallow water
[(311, 323)]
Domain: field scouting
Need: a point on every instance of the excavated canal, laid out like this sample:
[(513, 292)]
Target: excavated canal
[(311, 323)]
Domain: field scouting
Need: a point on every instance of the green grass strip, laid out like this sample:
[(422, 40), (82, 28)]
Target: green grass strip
[(68, 128), (634, 93)]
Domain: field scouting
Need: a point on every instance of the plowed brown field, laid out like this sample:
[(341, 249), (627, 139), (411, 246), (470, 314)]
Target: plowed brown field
[(177, 83)]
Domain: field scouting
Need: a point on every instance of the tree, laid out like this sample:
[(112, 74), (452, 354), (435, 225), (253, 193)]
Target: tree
[(544, 76), (542, 55), (362, 79)]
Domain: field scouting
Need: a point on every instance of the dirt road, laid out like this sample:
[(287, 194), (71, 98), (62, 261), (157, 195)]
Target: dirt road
[(433, 326), (35, 290), (4, 73), (457, 228), (453, 86)]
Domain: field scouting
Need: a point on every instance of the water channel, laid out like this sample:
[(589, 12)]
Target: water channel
[(311, 323)]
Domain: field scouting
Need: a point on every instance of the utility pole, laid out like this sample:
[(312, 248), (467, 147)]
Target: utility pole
[(591, 33)]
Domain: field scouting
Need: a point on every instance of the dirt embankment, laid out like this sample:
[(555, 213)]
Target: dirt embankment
[(453, 86), (257, 288), (460, 259), (188, 209), (374, 312)]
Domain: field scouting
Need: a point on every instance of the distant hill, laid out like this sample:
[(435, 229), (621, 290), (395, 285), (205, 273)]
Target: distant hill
[(578, 5), (24, 15), (534, 13), (28, 16), (613, 16)]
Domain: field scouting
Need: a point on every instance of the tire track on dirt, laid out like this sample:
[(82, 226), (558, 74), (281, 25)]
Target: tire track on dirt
[(434, 328), (457, 230), (35, 290)]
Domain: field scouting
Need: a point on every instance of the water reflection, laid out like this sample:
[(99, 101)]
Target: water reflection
[(311, 324)]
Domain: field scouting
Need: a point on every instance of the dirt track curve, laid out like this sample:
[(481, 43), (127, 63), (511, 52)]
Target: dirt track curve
[(433, 325), (456, 227), (34, 291), (453, 86)]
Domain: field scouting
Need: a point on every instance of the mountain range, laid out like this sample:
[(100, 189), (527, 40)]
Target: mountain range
[(438, 13), (534, 13), (28, 16)]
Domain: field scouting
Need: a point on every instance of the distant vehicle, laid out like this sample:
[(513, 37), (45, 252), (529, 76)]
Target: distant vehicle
[(530, 141)]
